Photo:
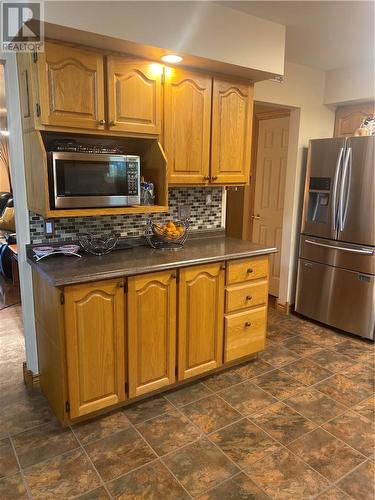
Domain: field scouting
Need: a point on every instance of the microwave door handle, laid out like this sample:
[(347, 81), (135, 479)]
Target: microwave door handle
[(345, 180), (335, 185)]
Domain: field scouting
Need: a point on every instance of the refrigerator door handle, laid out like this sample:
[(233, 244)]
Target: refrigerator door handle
[(335, 185), (346, 173), (345, 249)]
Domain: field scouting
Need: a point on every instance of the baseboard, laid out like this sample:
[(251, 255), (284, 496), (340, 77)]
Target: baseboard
[(285, 308), (30, 379)]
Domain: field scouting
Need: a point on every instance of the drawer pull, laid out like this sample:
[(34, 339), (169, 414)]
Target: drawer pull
[(250, 270), (247, 324), (249, 297)]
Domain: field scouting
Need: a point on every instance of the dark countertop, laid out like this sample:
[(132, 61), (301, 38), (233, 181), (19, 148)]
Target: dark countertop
[(60, 270)]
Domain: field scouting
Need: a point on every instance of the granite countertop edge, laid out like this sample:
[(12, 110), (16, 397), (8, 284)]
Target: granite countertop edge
[(121, 271)]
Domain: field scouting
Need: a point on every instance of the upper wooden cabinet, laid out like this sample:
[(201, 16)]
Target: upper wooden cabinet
[(232, 107), (134, 95), (200, 323), (349, 118), (187, 122), (151, 331), (94, 330), (71, 89)]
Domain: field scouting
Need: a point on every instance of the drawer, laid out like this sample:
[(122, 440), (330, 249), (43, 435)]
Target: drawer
[(245, 295), (247, 269), (245, 333)]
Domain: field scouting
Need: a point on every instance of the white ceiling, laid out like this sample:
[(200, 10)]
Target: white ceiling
[(321, 34)]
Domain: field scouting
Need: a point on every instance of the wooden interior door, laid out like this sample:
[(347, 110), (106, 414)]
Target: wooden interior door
[(134, 95), (232, 110), (71, 87), (151, 331), (271, 164), (94, 329), (187, 122), (201, 316)]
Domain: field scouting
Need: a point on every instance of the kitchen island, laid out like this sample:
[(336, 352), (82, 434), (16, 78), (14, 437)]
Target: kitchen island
[(134, 322)]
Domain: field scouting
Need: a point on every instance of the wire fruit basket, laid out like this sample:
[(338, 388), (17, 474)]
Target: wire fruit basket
[(171, 235)]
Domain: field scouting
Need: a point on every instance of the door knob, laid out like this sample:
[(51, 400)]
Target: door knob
[(257, 216), (101, 122)]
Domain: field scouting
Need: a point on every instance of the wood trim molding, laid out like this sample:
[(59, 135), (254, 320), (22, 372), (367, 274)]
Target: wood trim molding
[(30, 379), (284, 308)]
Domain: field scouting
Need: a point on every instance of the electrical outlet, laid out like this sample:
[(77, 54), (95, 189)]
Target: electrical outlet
[(184, 212), (49, 227)]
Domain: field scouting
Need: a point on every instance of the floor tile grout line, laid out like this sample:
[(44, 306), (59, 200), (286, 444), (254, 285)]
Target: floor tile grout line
[(21, 472), (345, 475), (162, 461), (93, 465)]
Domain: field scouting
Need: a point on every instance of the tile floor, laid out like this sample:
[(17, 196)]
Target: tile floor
[(297, 422)]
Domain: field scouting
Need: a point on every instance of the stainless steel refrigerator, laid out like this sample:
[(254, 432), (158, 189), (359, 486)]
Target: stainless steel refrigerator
[(336, 265)]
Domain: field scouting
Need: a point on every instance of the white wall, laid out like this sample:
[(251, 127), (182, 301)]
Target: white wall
[(20, 205), (203, 29), (348, 85), (302, 89)]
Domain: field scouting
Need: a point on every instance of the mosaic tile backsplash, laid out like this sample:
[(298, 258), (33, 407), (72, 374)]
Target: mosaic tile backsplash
[(203, 216)]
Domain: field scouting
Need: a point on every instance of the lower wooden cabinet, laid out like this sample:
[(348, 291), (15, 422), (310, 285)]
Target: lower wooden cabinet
[(200, 319), (245, 333), (151, 331), (103, 342), (94, 331)]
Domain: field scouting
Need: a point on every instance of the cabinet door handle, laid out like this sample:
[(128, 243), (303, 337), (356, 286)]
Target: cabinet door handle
[(112, 123), (249, 297), (247, 324), (120, 285), (173, 276), (214, 178), (250, 270), (206, 178), (222, 267), (101, 122)]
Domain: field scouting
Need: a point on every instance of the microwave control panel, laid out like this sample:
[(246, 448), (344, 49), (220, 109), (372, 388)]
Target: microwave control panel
[(132, 174)]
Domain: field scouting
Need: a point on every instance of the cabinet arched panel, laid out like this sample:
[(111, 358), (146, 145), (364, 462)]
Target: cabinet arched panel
[(134, 95), (187, 118), (201, 309), (71, 87), (231, 131), (94, 317), (151, 331)]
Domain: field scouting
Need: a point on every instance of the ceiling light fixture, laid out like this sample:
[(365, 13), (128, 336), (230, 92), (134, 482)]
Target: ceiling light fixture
[(171, 58), (5, 133)]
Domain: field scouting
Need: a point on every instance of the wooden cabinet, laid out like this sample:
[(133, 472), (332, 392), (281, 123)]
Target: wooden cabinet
[(134, 95), (231, 131), (71, 87), (246, 297), (200, 319), (349, 118), (244, 333), (151, 331), (187, 122), (94, 330)]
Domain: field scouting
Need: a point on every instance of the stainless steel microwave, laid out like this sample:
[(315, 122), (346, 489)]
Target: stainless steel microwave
[(93, 180)]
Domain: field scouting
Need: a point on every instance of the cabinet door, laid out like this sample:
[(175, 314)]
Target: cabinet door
[(94, 329), (349, 118), (201, 317), (232, 109), (134, 95), (71, 87), (187, 121), (151, 331)]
